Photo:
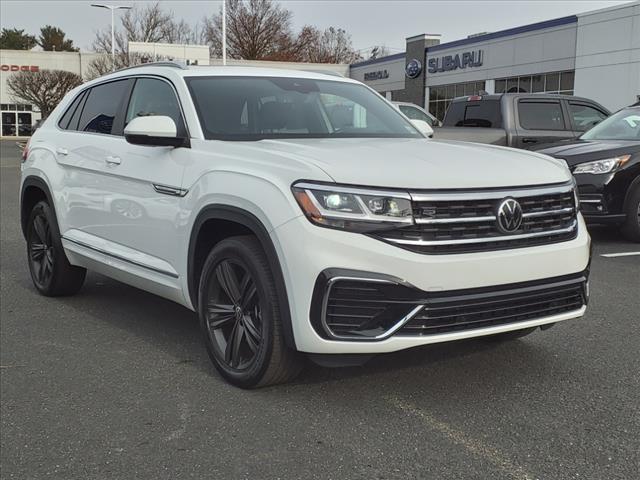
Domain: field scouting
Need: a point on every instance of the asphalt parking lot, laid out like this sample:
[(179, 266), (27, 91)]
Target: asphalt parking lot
[(115, 383)]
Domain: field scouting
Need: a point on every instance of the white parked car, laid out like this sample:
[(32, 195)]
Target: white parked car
[(297, 213), (414, 112)]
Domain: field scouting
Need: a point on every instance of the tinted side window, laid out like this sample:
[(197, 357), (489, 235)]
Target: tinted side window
[(73, 108), (485, 114), (101, 107), (155, 97), (541, 115), (585, 116)]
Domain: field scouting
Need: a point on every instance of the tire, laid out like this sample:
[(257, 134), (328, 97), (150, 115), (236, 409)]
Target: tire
[(631, 227), (240, 316), (513, 335), (51, 272)]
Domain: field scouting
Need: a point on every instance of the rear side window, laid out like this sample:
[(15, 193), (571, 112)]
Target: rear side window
[(101, 106), (541, 115), (155, 97), (484, 114), (66, 122)]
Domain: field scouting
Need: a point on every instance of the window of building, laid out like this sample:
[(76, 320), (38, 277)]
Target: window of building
[(101, 106), (440, 96), (554, 82), (541, 115)]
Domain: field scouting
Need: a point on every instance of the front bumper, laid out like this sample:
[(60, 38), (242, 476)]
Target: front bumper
[(306, 251)]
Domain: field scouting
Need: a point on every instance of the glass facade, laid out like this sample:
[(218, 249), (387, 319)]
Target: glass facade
[(553, 82), (440, 96), (15, 120)]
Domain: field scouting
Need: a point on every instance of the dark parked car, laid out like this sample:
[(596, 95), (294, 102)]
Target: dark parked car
[(520, 120), (606, 164)]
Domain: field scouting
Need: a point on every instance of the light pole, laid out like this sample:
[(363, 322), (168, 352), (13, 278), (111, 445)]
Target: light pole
[(224, 32), (113, 8)]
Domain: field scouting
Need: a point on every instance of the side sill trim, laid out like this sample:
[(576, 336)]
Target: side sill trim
[(122, 259)]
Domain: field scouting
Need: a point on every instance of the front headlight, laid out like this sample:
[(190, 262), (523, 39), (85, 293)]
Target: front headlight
[(353, 209), (606, 165)]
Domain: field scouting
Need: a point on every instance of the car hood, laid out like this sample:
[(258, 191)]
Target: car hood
[(421, 163), (580, 151)]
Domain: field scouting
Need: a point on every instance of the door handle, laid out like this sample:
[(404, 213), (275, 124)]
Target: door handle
[(529, 140), (112, 160), (62, 151)]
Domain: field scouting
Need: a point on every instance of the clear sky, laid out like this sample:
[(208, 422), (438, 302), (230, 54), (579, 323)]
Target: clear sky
[(369, 22)]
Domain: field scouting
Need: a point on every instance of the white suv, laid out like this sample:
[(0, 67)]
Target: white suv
[(297, 213)]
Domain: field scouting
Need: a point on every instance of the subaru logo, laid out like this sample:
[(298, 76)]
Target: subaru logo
[(509, 215)]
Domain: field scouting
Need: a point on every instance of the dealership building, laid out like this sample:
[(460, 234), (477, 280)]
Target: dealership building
[(594, 55)]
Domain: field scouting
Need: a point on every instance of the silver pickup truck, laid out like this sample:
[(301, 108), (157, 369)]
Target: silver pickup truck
[(519, 120)]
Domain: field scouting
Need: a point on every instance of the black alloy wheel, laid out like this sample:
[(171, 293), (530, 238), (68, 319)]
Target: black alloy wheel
[(41, 250), (51, 272), (234, 318), (240, 316)]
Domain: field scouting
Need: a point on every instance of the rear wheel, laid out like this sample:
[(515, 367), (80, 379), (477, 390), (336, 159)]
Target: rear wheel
[(631, 226), (240, 316), (51, 272)]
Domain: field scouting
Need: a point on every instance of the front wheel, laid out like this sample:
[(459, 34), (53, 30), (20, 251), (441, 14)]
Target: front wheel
[(631, 227), (240, 316)]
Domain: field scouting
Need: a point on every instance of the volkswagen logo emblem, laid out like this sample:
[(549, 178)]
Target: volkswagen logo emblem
[(509, 215)]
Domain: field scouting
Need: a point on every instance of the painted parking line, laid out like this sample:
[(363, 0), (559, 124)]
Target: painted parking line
[(621, 254), (473, 445)]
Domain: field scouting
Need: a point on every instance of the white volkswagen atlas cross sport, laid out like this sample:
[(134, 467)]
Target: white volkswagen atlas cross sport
[(297, 213)]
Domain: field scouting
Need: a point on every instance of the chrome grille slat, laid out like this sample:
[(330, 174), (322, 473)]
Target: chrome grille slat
[(463, 222)]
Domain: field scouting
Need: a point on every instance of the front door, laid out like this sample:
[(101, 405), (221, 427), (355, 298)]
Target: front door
[(143, 199)]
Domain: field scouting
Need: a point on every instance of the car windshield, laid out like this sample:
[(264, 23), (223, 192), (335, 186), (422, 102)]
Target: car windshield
[(624, 125), (255, 108)]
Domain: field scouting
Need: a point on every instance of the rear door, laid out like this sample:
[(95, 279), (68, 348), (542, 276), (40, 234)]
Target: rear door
[(540, 121), (89, 134)]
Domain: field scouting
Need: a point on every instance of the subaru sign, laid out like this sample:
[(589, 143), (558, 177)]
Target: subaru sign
[(454, 62)]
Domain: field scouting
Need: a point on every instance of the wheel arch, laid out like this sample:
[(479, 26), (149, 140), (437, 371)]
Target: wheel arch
[(244, 222), (33, 190), (635, 184)]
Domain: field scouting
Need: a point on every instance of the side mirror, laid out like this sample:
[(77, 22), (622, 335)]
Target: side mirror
[(423, 127), (155, 130)]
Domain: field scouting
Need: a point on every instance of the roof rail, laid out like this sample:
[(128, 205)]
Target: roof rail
[(179, 65)]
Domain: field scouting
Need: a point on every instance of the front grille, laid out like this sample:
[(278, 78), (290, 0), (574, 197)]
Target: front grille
[(471, 309), (467, 222), (373, 309)]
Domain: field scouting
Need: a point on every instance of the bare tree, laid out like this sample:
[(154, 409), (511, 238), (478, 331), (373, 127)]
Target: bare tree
[(148, 24), (256, 30), (44, 89), (331, 46)]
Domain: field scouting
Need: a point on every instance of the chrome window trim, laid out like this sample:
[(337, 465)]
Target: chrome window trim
[(323, 315), (568, 229)]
